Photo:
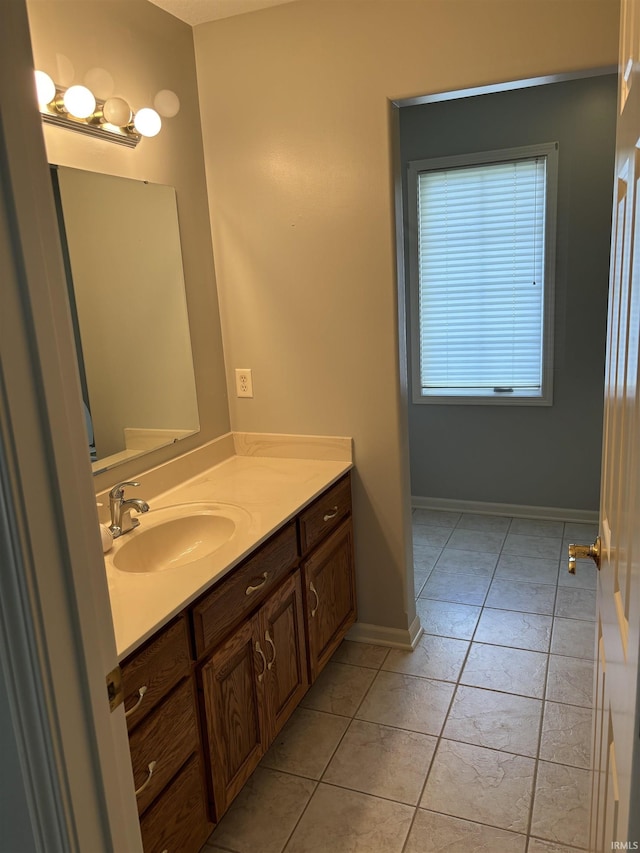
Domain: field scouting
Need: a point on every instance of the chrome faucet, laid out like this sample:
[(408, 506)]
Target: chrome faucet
[(121, 521)]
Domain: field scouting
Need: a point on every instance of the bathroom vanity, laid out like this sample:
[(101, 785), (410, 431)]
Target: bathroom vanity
[(206, 693)]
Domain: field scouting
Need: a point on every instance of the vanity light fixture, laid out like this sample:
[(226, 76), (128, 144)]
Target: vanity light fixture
[(76, 108)]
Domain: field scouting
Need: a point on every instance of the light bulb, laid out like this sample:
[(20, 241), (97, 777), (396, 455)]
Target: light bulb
[(45, 88), (116, 111), (79, 101), (147, 122)]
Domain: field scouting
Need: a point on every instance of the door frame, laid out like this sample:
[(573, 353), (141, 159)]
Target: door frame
[(56, 641)]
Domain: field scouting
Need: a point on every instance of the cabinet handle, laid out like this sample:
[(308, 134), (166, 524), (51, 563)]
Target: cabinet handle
[(267, 637), (329, 515), (142, 787), (315, 592), (141, 693), (251, 589), (264, 661)]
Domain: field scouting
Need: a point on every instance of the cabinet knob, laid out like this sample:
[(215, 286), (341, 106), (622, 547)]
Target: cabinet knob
[(268, 639), (145, 784), (331, 514), (264, 661), (253, 587), (141, 693), (314, 610)]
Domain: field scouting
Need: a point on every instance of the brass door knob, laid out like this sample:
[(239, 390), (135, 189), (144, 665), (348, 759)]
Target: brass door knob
[(580, 552)]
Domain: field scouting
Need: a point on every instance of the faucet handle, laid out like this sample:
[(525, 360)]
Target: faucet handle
[(117, 492)]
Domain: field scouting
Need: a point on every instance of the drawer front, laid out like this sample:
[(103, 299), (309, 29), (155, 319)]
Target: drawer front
[(179, 822), (166, 737), (246, 586), (151, 673), (325, 514)]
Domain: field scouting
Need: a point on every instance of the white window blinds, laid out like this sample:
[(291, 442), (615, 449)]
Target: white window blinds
[(481, 288)]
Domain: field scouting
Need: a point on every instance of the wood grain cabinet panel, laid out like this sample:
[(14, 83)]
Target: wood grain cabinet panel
[(325, 514), (240, 592), (178, 821), (233, 694), (281, 624), (166, 737), (330, 599), (154, 670)]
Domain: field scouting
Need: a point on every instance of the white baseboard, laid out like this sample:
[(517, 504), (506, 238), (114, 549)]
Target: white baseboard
[(380, 635), (548, 513)]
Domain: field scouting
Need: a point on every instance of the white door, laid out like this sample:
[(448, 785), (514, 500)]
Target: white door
[(615, 809), (56, 634)]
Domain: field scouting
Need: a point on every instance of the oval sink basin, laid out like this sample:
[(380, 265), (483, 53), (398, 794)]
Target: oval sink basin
[(175, 537)]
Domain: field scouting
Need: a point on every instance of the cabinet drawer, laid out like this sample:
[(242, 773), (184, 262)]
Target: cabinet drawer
[(237, 594), (325, 514), (168, 737), (178, 822), (154, 671)]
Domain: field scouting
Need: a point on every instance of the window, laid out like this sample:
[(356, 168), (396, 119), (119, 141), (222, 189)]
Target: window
[(482, 240)]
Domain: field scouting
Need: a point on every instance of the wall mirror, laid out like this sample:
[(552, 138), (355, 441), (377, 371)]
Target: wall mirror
[(122, 251)]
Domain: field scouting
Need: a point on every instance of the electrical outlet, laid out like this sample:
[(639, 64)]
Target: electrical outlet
[(244, 384)]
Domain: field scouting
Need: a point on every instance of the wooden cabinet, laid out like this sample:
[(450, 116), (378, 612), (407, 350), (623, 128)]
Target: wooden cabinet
[(164, 741), (207, 695), (329, 584), (250, 686)]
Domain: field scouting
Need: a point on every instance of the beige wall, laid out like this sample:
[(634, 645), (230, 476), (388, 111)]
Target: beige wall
[(297, 131), (145, 50)]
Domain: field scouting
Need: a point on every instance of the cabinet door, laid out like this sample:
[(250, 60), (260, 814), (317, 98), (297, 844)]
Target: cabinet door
[(330, 595), (282, 628), (233, 694)]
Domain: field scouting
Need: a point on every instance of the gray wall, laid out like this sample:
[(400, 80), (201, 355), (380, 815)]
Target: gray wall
[(537, 456)]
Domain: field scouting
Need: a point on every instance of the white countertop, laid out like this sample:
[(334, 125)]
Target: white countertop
[(270, 490)]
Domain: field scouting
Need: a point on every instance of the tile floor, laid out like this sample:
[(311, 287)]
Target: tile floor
[(477, 742)]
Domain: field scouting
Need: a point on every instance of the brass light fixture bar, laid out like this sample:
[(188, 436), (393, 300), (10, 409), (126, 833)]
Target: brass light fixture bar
[(76, 108)]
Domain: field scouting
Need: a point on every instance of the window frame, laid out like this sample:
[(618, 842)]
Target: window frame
[(543, 397)]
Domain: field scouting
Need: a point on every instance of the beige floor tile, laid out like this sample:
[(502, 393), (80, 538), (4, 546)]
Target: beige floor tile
[(462, 589), (537, 845), (498, 720), (574, 638), (438, 833), (481, 785), (429, 534), (343, 821), (420, 577), (570, 680), (548, 547), (407, 702), (566, 735), (307, 742), (467, 562), (509, 670), (360, 654), (515, 629), (269, 799), (563, 818), (516, 595), (488, 541), (576, 603), (425, 556), (436, 517), (447, 619), (382, 761), (433, 657), (527, 569), (491, 523), (339, 689), (537, 527)]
